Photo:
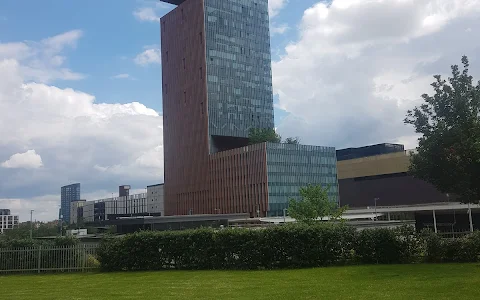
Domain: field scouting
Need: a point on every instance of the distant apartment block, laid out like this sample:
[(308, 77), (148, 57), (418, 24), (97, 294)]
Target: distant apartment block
[(124, 206), (7, 220), (69, 193)]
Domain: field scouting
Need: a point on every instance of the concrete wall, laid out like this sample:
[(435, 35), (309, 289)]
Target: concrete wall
[(155, 199)]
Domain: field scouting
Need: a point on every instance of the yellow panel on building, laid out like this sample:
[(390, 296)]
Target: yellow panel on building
[(374, 165)]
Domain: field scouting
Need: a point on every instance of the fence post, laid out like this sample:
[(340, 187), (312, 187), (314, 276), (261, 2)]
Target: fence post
[(39, 258), (84, 257)]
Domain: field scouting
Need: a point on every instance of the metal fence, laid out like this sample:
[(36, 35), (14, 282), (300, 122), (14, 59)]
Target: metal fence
[(48, 259)]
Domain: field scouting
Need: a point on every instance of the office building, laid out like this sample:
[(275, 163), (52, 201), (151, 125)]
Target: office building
[(383, 177), (7, 220), (217, 85), (69, 193), (124, 190), (76, 211), (155, 199), (137, 205)]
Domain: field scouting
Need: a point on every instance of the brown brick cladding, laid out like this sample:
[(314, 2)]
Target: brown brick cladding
[(185, 121), (239, 182), (234, 181)]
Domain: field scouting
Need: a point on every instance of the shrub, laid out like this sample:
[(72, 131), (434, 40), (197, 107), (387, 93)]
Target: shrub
[(378, 246), (289, 246), (464, 249)]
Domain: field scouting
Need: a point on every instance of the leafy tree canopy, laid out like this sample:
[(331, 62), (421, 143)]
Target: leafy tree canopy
[(22, 231), (292, 140), (262, 135), (314, 205), (448, 154)]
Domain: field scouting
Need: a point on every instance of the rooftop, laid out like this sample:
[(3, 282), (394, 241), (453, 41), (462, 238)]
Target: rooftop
[(160, 184), (175, 2)]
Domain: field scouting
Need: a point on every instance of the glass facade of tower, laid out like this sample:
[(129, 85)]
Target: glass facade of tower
[(291, 167), (69, 193), (239, 77)]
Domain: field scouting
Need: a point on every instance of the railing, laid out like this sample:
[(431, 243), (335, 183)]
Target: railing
[(48, 259)]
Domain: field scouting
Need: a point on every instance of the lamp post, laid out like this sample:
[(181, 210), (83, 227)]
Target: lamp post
[(284, 214), (31, 223), (376, 199)]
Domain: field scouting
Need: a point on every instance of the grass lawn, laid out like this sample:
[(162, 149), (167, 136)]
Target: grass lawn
[(451, 281)]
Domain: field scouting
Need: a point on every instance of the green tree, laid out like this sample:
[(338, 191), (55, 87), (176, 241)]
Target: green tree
[(448, 154), (22, 231), (313, 205), (292, 140), (262, 135)]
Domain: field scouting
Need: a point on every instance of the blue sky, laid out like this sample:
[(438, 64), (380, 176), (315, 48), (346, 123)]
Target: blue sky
[(344, 74)]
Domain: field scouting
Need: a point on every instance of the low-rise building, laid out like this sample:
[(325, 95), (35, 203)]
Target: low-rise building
[(7, 220), (125, 206), (382, 180), (155, 199)]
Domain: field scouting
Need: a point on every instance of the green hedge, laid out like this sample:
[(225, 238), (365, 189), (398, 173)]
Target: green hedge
[(463, 249), (292, 246)]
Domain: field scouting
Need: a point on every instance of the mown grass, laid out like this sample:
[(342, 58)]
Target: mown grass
[(447, 281)]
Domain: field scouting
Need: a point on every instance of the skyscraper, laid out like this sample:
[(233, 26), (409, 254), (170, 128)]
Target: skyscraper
[(217, 85), (69, 193)]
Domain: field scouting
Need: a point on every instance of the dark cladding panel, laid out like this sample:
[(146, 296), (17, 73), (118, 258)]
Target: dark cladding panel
[(352, 153), (392, 190)]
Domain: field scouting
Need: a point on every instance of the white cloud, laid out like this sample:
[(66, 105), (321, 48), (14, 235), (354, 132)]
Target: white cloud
[(122, 76), (43, 61), (358, 66), (45, 207), (73, 133), (26, 160), (148, 57), (278, 29), (151, 11), (146, 14), (274, 6)]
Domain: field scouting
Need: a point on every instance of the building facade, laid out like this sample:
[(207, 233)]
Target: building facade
[(116, 207), (290, 167), (7, 220), (155, 199), (76, 211), (69, 193), (385, 178), (217, 85)]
